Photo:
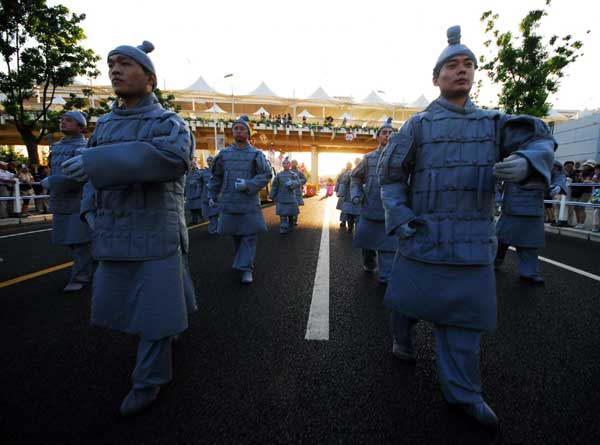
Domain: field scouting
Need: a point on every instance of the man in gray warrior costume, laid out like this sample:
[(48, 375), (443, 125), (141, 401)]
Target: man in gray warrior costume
[(437, 186), (65, 198), (238, 174), (139, 154)]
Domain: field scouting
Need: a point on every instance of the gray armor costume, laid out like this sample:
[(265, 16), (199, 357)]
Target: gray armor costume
[(240, 212), (193, 193), (284, 192), (370, 235), (521, 224), (212, 213), (299, 197), (349, 209), (142, 286), (339, 192), (65, 199), (437, 172)]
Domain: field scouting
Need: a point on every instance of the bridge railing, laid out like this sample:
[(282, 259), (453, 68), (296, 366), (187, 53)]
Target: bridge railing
[(17, 197), (565, 201)]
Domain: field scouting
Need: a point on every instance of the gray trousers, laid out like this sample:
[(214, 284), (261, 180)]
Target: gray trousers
[(153, 363), (527, 260), (213, 223), (382, 260), (83, 264), (456, 357), (245, 251), (285, 223)]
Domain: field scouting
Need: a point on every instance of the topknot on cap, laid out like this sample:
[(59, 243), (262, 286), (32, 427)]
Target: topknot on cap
[(389, 120), (146, 47), (244, 118), (453, 34)]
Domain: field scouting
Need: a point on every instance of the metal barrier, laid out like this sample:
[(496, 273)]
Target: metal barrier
[(563, 215), (17, 195)]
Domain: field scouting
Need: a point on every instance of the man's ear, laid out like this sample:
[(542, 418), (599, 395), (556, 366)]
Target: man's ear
[(152, 81), (434, 80)]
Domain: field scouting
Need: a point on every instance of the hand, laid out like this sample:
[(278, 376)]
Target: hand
[(289, 183), (90, 218), (211, 203), (356, 200), (240, 185), (515, 168), (405, 231), (74, 169), (554, 190), (45, 183)]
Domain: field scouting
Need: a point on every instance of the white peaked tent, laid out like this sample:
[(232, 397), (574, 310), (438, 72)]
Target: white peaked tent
[(346, 116), (262, 90), (200, 85), (214, 109), (305, 114), (421, 102), (260, 111), (320, 94), (58, 100), (373, 99)]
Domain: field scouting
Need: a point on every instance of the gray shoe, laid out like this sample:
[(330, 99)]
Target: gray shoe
[(482, 413), (247, 277), (73, 287), (138, 399), (404, 354)]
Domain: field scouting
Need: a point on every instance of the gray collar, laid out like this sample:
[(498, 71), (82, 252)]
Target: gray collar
[(444, 103)]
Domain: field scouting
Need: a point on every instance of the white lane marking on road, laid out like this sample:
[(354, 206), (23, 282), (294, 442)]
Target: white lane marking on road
[(317, 327), (567, 267), (24, 233)]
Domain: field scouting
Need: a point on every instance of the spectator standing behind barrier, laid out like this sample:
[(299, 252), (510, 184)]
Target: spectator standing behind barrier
[(26, 189), (7, 179), (596, 199), (583, 194), (41, 204), (558, 185)]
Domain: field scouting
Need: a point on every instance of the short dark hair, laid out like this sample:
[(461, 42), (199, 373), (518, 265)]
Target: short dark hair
[(569, 162)]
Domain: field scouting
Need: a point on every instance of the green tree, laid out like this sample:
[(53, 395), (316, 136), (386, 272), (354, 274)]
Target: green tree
[(9, 154), (527, 69), (39, 48)]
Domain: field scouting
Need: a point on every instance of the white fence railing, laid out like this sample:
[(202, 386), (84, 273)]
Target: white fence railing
[(17, 197)]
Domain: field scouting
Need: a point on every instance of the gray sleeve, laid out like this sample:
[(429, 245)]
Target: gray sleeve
[(88, 200), (58, 184), (262, 177), (215, 183), (394, 169), (165, 158), (357, 179), (274, 188)]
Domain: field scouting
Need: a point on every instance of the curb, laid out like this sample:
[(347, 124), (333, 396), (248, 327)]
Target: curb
[(573, 233), (10, 222)]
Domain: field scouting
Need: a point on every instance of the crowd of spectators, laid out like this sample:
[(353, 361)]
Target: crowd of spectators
[(28, 185)]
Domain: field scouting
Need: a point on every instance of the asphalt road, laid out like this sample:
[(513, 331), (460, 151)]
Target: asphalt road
[(243, 372)]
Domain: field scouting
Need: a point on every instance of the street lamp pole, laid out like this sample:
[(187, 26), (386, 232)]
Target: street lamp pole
[(215, 103)]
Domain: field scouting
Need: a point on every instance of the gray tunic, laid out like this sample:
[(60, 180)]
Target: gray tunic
[(193, 190), (347, 206), (364, 184), (240, 212), (521, 223), (285, 196), (438, 170), (207, 211), (302, 180), (136, 168), (65, 195)]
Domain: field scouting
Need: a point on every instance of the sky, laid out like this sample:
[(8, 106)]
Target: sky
[(348, 47)]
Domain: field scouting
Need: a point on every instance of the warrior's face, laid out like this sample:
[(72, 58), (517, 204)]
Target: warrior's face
[(286, 164), (69, 126), (384, 136), (456, 77), (240, 133), (128, 78)]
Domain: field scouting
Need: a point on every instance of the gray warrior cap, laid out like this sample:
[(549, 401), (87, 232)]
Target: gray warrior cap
[(137, 53), (77, 116), (454, 48), (388, 124)]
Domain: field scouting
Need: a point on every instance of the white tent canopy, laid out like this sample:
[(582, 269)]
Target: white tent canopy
[(320, 94), (3, 96), (200, 85), (346, 116), (214, 109), (58, 100), (421, 102), (260, 111), (262, 90), (373, 98), (305, 114)]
